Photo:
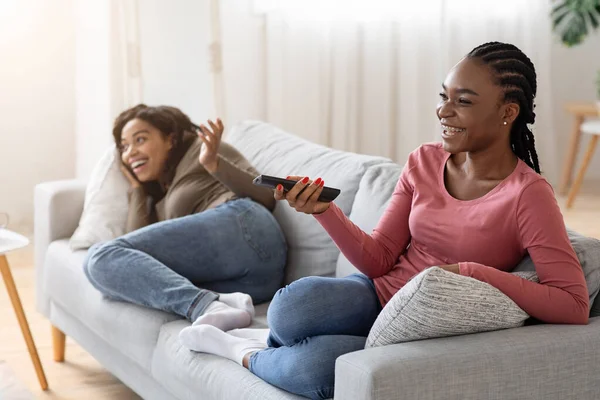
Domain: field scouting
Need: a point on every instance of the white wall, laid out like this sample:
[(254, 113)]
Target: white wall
[(174, 38), (93, 89), (37, 101), (574, 76)]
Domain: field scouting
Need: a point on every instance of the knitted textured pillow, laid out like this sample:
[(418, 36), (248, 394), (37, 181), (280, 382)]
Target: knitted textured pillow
[(438, 303)]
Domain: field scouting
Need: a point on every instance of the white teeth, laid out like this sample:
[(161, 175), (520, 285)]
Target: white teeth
[(452, 129), (139, 163)]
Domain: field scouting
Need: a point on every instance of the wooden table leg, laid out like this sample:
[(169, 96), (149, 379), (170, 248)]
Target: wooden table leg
[(18, 307), (570, 159), (586, 162)]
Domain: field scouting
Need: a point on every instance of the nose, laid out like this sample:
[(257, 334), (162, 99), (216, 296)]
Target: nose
[(127, 154), (445, 110)]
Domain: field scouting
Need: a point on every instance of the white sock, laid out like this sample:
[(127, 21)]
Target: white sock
[(208, 339), (248, 333), (222, 316), (241, 301)]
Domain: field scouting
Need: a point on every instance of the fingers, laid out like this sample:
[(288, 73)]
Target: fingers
[(307, 193), (279, 194), (294, 177), (207, 137), (298, 188), (217, 129)]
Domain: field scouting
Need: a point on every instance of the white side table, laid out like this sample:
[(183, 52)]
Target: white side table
[(10, 241), (591, 128)]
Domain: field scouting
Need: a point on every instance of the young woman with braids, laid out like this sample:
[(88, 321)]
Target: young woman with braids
[(474, 204), (195, 219)]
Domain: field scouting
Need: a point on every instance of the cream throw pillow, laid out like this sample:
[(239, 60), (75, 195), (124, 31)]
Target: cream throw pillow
[(105, 209), (438, 303)]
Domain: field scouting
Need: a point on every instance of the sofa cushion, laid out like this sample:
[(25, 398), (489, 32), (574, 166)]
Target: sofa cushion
[(275, 152), (117, 322), (588, 253), (191, 375), (373, 195), (438, 303), (105, 209)]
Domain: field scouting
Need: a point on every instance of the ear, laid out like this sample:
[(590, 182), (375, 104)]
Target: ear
[(511, 112), (171, 140)]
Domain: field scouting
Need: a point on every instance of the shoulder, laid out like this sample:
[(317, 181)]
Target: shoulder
[(428, 152), (534, 191)]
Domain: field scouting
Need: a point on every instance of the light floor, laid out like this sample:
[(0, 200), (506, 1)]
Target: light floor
[(81, 377)]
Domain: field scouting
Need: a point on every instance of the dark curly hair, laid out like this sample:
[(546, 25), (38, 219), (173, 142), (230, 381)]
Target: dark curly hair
[(515, 73), (170, 121)]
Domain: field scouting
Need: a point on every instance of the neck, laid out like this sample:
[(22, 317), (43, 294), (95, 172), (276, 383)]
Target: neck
[(496, 162)]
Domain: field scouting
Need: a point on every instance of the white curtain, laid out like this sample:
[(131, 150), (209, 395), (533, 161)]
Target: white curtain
[(364, 76)]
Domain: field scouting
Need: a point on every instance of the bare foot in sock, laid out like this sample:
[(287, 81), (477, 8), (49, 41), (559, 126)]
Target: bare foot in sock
[(249, 333), (241, 301), (208, 339), (224, 317)]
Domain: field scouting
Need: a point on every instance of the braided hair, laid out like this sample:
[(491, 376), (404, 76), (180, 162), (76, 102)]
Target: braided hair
[(515, 73)]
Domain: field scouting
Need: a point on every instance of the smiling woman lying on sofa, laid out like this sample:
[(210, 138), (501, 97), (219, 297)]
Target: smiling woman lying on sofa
[(194, 214), (474, 204)]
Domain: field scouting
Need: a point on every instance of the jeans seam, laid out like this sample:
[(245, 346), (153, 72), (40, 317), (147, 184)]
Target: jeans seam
[(193, 305)]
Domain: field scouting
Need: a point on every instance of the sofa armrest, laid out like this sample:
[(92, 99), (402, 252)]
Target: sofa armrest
[(533, 362), (57, 209)]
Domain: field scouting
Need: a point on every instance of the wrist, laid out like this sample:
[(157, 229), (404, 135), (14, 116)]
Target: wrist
[(212, 167)]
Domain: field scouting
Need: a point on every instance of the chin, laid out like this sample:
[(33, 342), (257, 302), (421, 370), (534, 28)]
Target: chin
[(452, 148)]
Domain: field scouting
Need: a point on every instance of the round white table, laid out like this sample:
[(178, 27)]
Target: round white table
[(10, 241)]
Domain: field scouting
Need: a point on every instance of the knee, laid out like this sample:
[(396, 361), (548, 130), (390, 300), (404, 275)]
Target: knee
[(289, 301), (100, 262)]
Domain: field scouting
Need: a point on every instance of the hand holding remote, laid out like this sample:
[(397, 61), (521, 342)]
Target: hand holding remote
[(303, 196)]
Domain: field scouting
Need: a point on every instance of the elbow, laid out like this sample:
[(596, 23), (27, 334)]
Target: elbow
[(579, 314), (270, 203)]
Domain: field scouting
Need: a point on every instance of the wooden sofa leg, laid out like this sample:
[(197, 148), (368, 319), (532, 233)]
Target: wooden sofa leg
[(58, 342)]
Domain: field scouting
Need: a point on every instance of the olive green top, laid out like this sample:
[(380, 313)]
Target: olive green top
[(194, 189)]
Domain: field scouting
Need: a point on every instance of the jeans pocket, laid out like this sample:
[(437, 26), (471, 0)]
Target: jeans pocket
[(262, 232)]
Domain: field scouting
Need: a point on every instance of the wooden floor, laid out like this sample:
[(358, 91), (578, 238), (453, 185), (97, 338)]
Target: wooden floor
[(81, 377)]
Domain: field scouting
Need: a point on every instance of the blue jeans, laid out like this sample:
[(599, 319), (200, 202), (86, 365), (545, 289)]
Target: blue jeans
[(313, 321), (236, 247)]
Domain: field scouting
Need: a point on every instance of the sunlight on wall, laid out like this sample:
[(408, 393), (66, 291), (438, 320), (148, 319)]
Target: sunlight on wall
[(378, 10)]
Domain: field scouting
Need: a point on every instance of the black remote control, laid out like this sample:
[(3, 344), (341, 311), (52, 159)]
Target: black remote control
[(327, 195)]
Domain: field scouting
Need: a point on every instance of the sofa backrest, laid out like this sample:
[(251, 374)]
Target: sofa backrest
[(373, 195), (275, 152)]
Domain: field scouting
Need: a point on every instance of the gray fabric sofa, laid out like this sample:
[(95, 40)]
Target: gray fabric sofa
[(141, 347)]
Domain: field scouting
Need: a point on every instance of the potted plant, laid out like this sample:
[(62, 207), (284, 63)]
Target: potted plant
[(574, 20)]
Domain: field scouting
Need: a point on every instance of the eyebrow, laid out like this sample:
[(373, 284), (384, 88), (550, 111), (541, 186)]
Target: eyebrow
[(136, 133), (462, 90)]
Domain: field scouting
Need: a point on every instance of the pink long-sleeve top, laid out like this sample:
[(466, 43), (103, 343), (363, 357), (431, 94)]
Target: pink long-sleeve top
[(423, 226)]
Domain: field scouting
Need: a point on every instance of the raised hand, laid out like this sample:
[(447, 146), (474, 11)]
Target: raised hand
[(303, 196), (129, 176), (212, 140)]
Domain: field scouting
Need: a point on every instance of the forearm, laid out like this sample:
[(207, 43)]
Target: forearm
[(239, 181), (564, 302), (371, 256)]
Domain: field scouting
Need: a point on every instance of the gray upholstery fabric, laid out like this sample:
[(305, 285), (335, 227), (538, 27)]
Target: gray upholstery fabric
[(110, 356), (275, 152), (374, 194), (116, 322), (588, 253), (57, 209), (538, 362), (192, 376), (438, 303)]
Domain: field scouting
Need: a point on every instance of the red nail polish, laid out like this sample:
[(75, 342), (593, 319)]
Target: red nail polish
[(318, 181), (322, 183), (305, 180), (287, 177), (279, 187)]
